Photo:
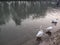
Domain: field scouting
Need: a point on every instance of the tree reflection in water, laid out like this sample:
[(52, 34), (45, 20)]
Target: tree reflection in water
[(21, 10)]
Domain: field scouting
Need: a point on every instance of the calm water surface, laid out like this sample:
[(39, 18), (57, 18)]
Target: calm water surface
[(17, 29)]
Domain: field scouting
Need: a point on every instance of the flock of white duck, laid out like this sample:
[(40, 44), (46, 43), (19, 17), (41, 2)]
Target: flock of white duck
[(48, 30)]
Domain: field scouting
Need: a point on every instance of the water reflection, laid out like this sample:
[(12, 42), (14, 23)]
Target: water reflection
[(27, 15), (21, 10), (0, 29)]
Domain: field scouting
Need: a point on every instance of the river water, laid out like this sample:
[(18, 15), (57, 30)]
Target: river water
[(17, 28)]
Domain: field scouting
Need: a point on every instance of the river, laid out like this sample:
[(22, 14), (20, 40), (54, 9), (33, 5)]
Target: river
[(18, 28)]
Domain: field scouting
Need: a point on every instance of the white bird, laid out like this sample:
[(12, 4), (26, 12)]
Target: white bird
[(40, 33), (55, 21), (49, 28)]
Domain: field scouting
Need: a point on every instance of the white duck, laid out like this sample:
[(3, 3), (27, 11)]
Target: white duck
[(48, 30), (55, 21), (40, 33)]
